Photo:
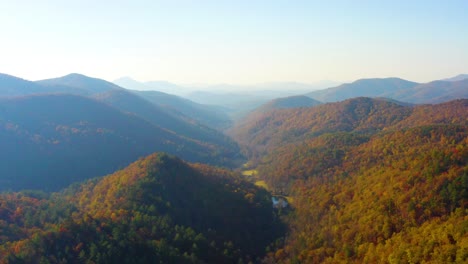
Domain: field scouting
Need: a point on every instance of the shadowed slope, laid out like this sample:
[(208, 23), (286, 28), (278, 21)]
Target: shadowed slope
[(49, 141)]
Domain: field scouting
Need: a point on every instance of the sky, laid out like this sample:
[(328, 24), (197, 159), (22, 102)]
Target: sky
[(236, 42)]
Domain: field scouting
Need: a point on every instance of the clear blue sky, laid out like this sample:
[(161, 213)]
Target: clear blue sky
[(234, 41)]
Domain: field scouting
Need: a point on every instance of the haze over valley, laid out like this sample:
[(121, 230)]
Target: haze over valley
[(234, 132)]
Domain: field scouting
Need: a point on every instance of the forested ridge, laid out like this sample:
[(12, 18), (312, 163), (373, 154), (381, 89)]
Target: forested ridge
[(68, 138), (372, 181), (75, 127), (400, 197), (159, 209), (234, 132), (263, 132)]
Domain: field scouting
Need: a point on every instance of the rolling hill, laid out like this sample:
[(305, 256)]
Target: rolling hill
[(364, 87), (371, 181), (161, 115), (158, 209), (397, 89), (265, 131), (274, 140), (50, 141), (158, 114), (212, 116), (435, 92), (166, 119), (289, 102), (13, 86), (81, 82)]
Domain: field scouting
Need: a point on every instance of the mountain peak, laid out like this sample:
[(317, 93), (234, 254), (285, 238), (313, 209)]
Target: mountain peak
[(382, 80), (77, 80), (75, 75)]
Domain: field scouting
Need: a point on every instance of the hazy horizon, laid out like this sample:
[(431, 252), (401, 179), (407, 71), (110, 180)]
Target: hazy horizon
[(240, 43)]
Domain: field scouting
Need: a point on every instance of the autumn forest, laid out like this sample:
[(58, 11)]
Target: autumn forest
[(92, 172)]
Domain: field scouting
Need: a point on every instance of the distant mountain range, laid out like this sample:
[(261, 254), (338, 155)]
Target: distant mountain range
[(434, 92), (77, 127), (242, 102), (235, 100), (78, 84), (211, 115), (238, 100), (161, 86), (363, 87), (397, 89), (280, 88)]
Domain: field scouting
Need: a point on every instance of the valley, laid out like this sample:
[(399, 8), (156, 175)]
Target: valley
[(234, 132), (368, 172)]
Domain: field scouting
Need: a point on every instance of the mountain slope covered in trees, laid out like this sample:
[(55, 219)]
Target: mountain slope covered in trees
[(288, 102), (399, 197), (372, 181), (177, 117), (265, 131), (158, 209), (180, 125), (127, 101), (50, 141), (75, 127)]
